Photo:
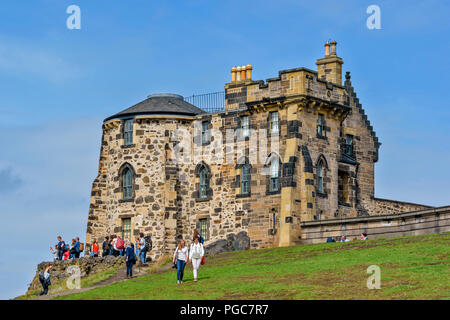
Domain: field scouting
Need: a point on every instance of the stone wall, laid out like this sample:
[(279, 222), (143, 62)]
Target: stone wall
[(59, 274), (403, 224)]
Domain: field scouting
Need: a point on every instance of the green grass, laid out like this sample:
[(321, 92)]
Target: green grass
[(415, 267)]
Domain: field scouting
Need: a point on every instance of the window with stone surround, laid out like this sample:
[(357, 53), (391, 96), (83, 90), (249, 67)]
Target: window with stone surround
[(320, 177), (349, 145), (203, 228), (128, 132), (274, 175), (321, 125), (205, 132), (245, 126), (203, 181), (127, 184), (126, 228), (245, 179), (274, 123)]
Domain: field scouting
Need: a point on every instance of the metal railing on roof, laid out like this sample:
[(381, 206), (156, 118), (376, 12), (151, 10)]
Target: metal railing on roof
[(209, 102)]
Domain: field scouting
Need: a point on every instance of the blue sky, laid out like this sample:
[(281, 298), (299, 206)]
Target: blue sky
[(57, 85)]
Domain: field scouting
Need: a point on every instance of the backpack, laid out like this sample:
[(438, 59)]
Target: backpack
[(119, 243), (148, 243), (81, 247), (41, 276)]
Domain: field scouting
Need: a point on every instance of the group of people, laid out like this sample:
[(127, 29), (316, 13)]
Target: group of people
[(116, 246), (363, 236), (195, 255), (64, 251)]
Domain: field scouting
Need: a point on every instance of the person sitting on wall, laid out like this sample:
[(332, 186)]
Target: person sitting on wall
[(364, 236), (44, 278), (344, 239)]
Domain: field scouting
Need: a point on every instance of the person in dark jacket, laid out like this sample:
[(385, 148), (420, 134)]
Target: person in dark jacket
[(77, 247), (44, 278), (105, 247), (61, 248), (130, 259)]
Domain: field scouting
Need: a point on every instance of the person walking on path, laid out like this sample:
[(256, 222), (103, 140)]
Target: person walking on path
[(180, 257), (44, 278), (196, 253), (130, 259), (200, 238)]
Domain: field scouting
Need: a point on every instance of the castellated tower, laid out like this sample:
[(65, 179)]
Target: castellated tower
[(314, 160)]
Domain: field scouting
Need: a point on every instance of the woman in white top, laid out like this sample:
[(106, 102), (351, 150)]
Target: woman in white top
[(196, 254), (180, 258)]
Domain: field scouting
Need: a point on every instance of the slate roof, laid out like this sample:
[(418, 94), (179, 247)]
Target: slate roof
[(160, 103)]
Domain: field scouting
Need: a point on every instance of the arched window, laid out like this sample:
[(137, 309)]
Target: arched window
[(203, 180), (320, 177), (203, 183), (274, 174), (127, 183), (245, 179)]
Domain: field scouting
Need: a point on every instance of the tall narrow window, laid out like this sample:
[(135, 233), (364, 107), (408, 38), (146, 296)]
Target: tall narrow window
[(127, 184), (349, 145), (128, 132), (274, 172), (320, 125), (245, 126), (203, 183), (274, 128), (205, 132), (126, 228), (203, 228), (245, 179), (320, 177)]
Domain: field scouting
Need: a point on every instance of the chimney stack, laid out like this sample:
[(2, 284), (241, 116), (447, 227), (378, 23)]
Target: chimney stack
[(242, 73), (329, 68)]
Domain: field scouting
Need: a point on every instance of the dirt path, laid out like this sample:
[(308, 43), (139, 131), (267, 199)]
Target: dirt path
[(118, 277)]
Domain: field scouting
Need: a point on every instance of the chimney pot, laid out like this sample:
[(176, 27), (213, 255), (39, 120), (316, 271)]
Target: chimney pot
[(233, 74), (243, 73), (249, 71), (333, 47), (238, 74), (327, 49)]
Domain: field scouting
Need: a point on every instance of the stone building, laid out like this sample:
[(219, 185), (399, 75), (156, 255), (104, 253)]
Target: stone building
[(298, 148)]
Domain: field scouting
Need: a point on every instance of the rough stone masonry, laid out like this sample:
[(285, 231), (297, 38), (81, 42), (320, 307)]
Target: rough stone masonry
[(322, 167)]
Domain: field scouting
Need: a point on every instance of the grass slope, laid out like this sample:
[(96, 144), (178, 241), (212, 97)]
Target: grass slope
[(414, 267)]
